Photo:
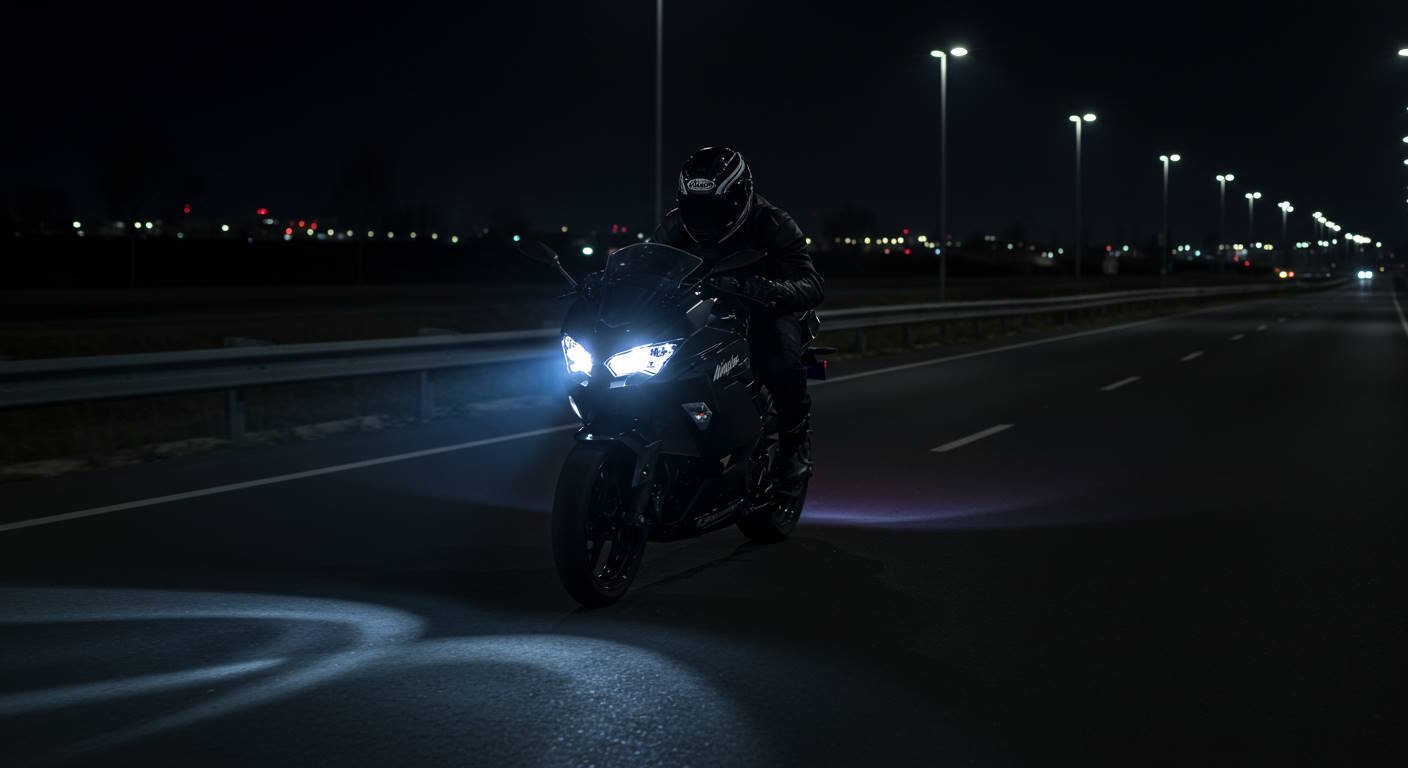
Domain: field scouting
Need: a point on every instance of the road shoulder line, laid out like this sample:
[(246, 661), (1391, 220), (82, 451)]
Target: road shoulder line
[(227, 488)]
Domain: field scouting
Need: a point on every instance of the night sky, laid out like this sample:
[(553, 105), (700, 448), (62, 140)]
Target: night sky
[(546, 108)]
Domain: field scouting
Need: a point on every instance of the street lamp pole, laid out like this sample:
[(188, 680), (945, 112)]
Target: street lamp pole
[(1222, 179), (1080, 216), (1166, 160), (1286, 208), (659, 109), (1252, 197), (942, 56), (1315, 251)]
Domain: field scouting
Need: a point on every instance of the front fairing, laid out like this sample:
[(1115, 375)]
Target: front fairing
[(649, 325)]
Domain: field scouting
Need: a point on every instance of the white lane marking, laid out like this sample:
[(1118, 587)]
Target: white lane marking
[(1019, 345), (973, 438), (217, 489), (1392, 291), (1191, 356), (1120, 383), (1261, 327), (1239, 337)]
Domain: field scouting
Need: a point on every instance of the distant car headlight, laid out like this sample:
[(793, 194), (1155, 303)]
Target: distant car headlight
[(647, 359), (579, 360)]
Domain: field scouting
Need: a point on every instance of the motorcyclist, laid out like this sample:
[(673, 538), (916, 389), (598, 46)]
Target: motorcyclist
[(717, 214)]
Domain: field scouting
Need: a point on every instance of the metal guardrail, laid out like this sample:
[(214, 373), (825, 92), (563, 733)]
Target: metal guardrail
[(27, 383)]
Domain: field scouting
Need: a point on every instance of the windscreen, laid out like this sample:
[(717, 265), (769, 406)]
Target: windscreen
[(636, 275), (661, 261)]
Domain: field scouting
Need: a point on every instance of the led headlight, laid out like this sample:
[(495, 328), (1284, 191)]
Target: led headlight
[(579, 360), (647, 359)]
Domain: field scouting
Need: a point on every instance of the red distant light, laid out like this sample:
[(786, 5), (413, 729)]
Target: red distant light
[(313, 226), (288, 230), (1246, 263), (904, 231), (302, 224), (1109, 248), (186, 208), (887, 251), (261, 211), (906, 251)]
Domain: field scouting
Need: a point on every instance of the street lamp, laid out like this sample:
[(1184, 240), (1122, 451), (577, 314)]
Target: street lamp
[(1403, 52), (1222, 179), (1252, 197), (960, 52), (1088, 117), (1166, 159), (1286, 207)]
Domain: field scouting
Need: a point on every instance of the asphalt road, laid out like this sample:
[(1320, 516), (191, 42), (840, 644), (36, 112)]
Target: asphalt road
[(1184, 549)]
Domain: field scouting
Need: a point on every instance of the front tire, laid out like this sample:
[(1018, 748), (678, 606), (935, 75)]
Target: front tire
[(596, 543)]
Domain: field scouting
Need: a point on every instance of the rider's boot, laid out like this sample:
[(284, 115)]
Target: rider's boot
[(794, 459)]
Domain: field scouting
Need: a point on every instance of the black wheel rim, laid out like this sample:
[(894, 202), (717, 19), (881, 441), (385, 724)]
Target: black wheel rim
[(786, 508), (612, 541)]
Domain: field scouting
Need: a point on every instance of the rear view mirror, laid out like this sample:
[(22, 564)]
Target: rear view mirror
[(538, 251)]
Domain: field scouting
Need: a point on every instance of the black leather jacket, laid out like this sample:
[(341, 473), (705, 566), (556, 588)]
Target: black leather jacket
[(771, 230)]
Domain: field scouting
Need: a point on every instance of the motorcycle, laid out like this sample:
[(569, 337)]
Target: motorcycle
[(677, 438)]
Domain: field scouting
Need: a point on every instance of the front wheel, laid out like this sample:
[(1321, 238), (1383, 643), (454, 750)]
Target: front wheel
[(596, 543)]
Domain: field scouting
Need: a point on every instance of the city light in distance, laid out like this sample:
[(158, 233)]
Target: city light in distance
[(78, 225), (587, 250), (224, 227)]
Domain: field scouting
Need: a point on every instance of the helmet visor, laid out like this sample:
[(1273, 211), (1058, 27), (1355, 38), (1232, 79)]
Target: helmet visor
[(709, 217)]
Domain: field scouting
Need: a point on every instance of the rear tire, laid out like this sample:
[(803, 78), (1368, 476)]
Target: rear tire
[(596, 545), (775, 519)]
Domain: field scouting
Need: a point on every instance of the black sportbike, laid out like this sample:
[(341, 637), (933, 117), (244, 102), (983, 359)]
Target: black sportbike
[(677, 438)]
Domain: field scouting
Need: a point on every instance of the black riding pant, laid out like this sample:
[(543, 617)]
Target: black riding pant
[(775, 345)]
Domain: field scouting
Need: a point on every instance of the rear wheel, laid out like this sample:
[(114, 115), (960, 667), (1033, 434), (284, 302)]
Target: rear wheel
[(596, 544), (774, 515)]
